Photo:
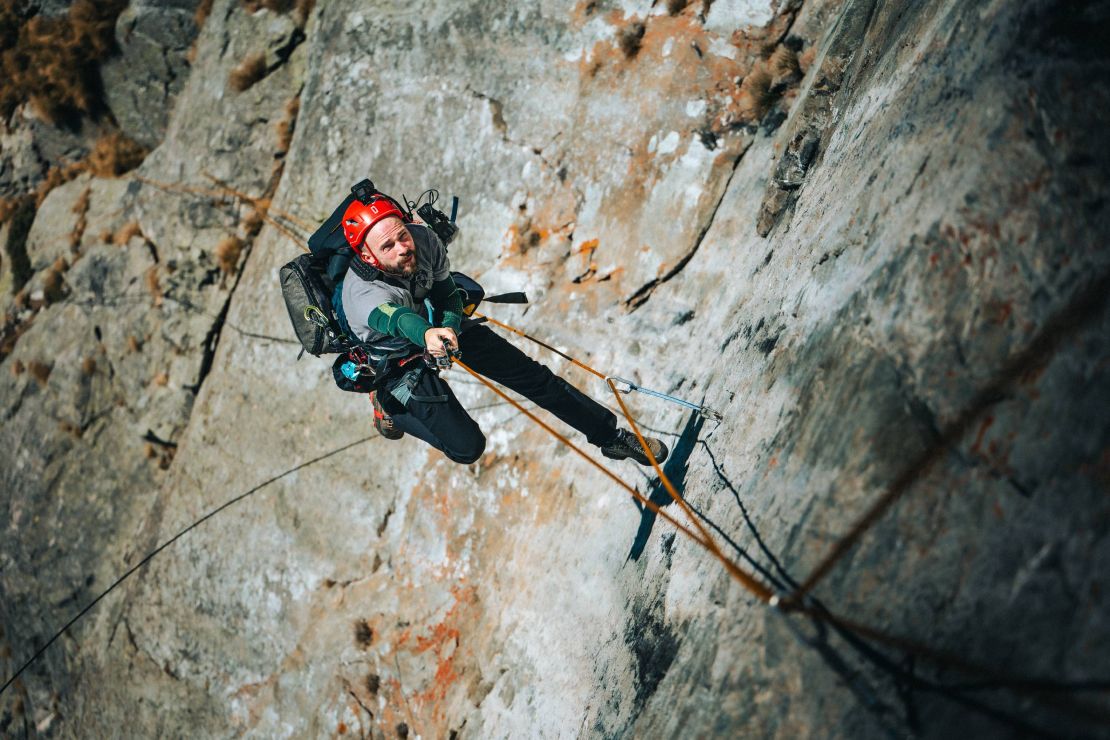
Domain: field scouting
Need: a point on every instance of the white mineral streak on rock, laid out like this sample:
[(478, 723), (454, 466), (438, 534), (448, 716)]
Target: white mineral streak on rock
[(725, 16), (669, 143), (722, 48)]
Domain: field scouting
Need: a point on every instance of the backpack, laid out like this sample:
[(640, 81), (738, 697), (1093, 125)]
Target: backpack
[(312, 281)]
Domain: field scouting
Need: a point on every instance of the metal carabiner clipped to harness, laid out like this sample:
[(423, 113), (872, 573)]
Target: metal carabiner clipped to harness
[(444, 362), (629, 386), (314, 315)]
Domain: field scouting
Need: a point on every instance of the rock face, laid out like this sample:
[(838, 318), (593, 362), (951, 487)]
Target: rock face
[(143, 80), (870, 234)]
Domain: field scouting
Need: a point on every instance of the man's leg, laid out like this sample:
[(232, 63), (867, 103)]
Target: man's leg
[(494, 357), (444, 425)]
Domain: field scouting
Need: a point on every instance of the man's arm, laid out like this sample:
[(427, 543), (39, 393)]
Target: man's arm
[(401, 322), (447, 300)]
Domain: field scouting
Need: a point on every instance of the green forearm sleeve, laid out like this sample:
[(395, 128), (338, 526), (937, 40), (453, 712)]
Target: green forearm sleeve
[(447, 300), (398, 321)]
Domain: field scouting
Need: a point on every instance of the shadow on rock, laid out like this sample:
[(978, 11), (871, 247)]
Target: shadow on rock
[(675, 469)]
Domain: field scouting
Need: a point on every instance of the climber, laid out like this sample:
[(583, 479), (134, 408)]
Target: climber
[(397, 267)]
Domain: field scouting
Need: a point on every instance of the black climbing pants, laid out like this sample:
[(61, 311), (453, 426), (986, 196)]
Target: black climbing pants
[(445, 424)]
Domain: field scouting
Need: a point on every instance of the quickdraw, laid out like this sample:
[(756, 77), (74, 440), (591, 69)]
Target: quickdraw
[(705, 411)]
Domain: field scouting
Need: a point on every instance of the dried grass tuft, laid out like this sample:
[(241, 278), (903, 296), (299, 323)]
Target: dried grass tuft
[(52, 63), (286, 126), (250, 70), (8, 208), (784, 63), (228, 252), (114, 154), (81, 205), (805, 59), (284, 131), (55, 176), (275, 6), (252, 223), (40, 371), (52, 281), (81, 208), (630, 38), (202, 11), (755, 98), (302, 10), (364, 633), (126, 232)]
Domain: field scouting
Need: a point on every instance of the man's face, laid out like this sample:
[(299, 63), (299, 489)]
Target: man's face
[(391, 244)]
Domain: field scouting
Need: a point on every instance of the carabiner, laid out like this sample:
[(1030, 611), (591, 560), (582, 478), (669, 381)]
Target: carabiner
[(630, 386)]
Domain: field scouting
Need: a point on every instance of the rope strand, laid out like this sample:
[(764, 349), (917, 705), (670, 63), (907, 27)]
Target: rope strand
[(166, 544)]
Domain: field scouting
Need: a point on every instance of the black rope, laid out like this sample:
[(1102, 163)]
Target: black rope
[(169, 542), (819, 615), (124, 299)]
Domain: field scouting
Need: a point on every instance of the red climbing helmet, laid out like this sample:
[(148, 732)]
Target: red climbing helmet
[(360, 217)]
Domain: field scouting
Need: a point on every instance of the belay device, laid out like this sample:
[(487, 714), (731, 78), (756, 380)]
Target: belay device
[(312, 284)]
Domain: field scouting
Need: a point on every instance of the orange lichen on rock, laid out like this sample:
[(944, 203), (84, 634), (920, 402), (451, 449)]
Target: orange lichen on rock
[(443, 640)]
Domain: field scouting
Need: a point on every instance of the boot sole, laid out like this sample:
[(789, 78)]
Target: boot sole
[(645, 462), (377, 422)]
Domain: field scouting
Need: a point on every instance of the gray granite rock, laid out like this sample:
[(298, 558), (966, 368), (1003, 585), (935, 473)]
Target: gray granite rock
[(904, 279), (142, 81)]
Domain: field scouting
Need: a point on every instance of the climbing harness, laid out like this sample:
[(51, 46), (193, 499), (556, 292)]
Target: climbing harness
[(616, 382)]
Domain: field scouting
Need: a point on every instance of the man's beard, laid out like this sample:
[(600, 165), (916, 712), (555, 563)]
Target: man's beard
[(402, 272)]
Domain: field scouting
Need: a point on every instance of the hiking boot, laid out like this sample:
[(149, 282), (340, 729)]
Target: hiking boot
[(626, 445), (383, 422)]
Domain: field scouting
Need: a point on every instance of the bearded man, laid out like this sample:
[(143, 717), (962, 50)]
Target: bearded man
[(400, 271)]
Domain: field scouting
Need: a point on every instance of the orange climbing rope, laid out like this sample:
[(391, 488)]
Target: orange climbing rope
[(545, 345), (797, 602), (746, 579)]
